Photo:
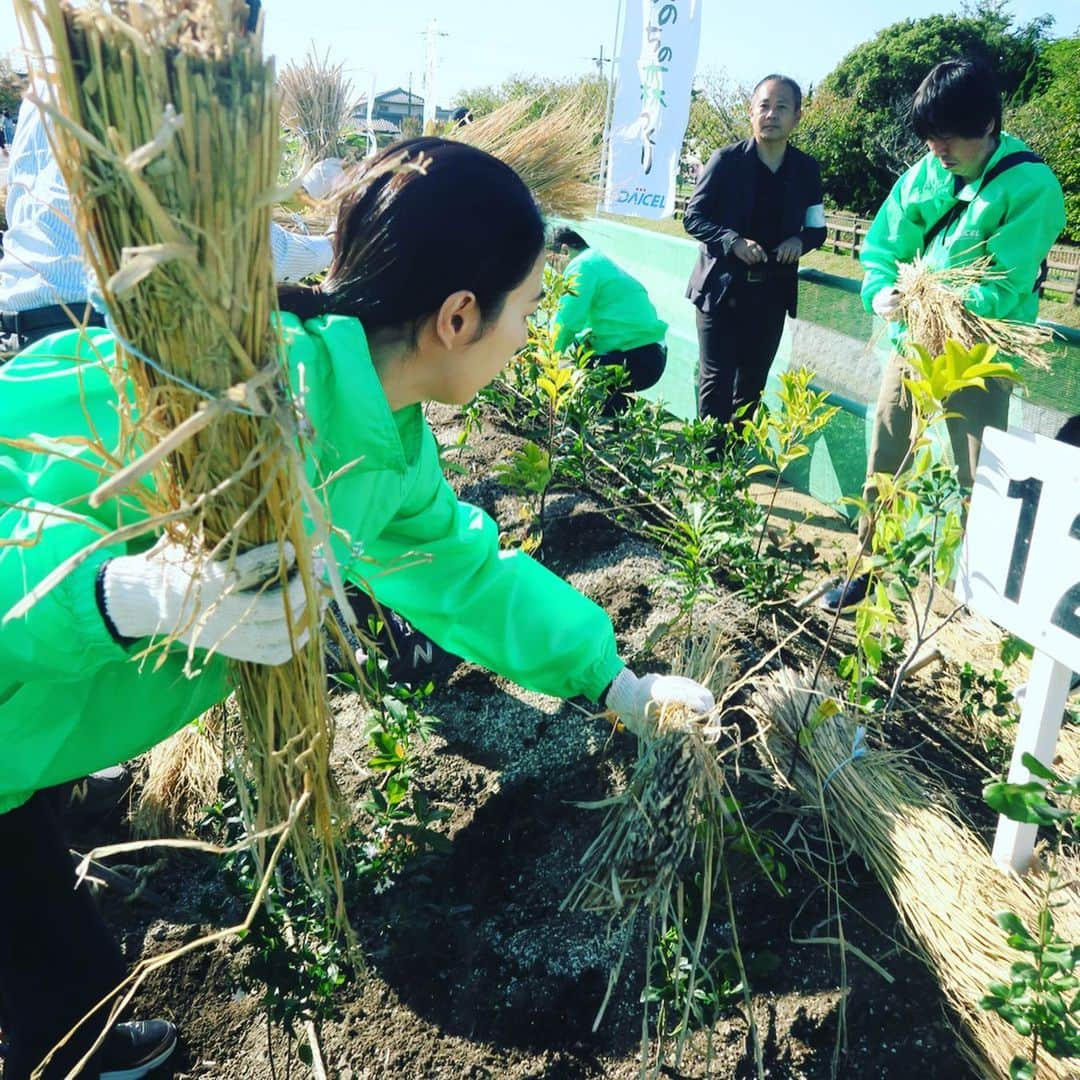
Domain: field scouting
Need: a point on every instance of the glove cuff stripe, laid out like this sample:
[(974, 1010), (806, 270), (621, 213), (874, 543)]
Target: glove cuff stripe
[(103, 607)]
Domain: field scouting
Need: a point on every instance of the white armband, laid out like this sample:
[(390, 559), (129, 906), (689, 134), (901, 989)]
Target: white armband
[(815, 217)]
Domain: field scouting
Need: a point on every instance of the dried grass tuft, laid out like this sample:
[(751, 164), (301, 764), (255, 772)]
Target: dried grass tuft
[(934, 867), (557, 154), (932, 306), (317, 104), (665, 829), (178, 778)]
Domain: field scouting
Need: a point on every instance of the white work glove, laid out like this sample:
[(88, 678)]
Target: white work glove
[(886, 302), (635, 701), (206, 604)]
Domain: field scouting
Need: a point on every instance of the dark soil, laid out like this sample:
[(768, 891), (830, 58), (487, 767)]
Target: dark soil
[(473, 969)]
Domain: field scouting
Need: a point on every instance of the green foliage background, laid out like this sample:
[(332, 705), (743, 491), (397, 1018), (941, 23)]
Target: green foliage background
[(856, 121), (1050, 123)]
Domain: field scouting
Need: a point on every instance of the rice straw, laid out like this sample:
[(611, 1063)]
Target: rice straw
[(933, 866)]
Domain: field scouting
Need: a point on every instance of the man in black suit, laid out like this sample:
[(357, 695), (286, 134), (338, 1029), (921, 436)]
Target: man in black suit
[(756, 209)]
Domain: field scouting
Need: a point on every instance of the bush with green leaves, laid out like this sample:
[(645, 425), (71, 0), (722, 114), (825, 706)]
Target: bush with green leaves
[(1040, 999), (915, 525)]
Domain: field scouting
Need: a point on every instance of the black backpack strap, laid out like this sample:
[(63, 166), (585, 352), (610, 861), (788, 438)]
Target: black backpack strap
[(1017, 157)]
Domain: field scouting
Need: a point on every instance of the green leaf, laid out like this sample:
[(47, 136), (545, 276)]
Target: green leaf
[(303, 1052), (1010, 922), (1037, 768), (1021, 802), (1022, 1024), (1012, 648), (396, 789), (1021, 1069)]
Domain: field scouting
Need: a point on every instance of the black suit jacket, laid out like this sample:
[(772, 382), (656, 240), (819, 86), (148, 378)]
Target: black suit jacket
[(719, 212)]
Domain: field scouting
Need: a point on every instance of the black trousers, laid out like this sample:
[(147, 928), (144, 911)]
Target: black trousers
[(26, 327), (738, 341), (57, 957), (644, 365)]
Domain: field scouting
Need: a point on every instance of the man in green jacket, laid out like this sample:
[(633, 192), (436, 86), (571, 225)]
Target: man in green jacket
[(612, 312), (978, 192)]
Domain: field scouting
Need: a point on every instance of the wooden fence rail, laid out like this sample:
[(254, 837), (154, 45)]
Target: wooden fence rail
[(844, 233)]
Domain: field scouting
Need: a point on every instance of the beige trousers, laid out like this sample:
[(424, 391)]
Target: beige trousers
[(894, 418)]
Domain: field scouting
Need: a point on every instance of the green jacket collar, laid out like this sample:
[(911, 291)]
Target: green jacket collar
[(343, 392), (1007, 144)]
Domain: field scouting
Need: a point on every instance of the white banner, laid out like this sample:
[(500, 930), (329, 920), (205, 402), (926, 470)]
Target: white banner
[(655, 71)]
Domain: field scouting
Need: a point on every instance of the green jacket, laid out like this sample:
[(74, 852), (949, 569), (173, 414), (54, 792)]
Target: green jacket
[(1014, 221), (71, 699), (609, 304)]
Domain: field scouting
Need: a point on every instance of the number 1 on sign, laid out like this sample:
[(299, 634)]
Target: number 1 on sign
[(1029, 492)]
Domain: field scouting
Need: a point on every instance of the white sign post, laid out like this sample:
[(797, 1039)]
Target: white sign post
[(1020, 566)]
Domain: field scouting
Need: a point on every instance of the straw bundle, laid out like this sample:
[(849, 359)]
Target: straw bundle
[(317, 104), (932, 306), (166, 128), (933, 866), (557, 154), (179, 778), (666, 828)]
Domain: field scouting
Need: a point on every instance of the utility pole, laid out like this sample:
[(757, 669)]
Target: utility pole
[(600, 61), (432, 34)]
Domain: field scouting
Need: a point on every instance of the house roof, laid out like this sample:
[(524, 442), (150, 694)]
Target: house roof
[(398, 94), (379, 127)]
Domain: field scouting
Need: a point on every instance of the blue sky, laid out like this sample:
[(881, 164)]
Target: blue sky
[(488, 40)]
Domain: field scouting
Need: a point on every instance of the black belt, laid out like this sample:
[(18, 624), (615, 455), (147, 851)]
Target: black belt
[(770, 273), (57, 316)]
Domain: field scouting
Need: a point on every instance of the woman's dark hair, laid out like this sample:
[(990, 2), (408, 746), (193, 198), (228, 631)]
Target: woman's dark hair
[(573, 240), (789, 82), (420, 220), (958, 97)]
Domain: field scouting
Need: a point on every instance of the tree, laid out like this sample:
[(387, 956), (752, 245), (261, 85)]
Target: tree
[(545, 93), (831, 131), (1050, 124), (857, 121), (719, 114)]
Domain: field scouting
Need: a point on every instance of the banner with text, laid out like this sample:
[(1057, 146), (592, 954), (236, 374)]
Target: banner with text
[(655, 72)]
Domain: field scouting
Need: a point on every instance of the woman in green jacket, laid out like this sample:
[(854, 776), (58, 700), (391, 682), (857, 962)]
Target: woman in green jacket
[(436, 270)]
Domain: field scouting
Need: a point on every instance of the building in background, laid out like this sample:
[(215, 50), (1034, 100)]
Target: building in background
[(400, 108)]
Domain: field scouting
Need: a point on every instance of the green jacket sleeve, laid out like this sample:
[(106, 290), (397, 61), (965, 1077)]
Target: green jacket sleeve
[(63, 636), (574, 312), (44, 515), (443, 569), (1033, 221)]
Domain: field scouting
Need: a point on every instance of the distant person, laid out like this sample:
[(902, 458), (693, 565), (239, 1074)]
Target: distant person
[(323, 179), (977, 192), (8, 126), (611, 311), (45, 285), (757, 208)]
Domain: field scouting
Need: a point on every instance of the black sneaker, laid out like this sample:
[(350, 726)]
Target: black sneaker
[(96, 795), (845, 598), (135, 1048)]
